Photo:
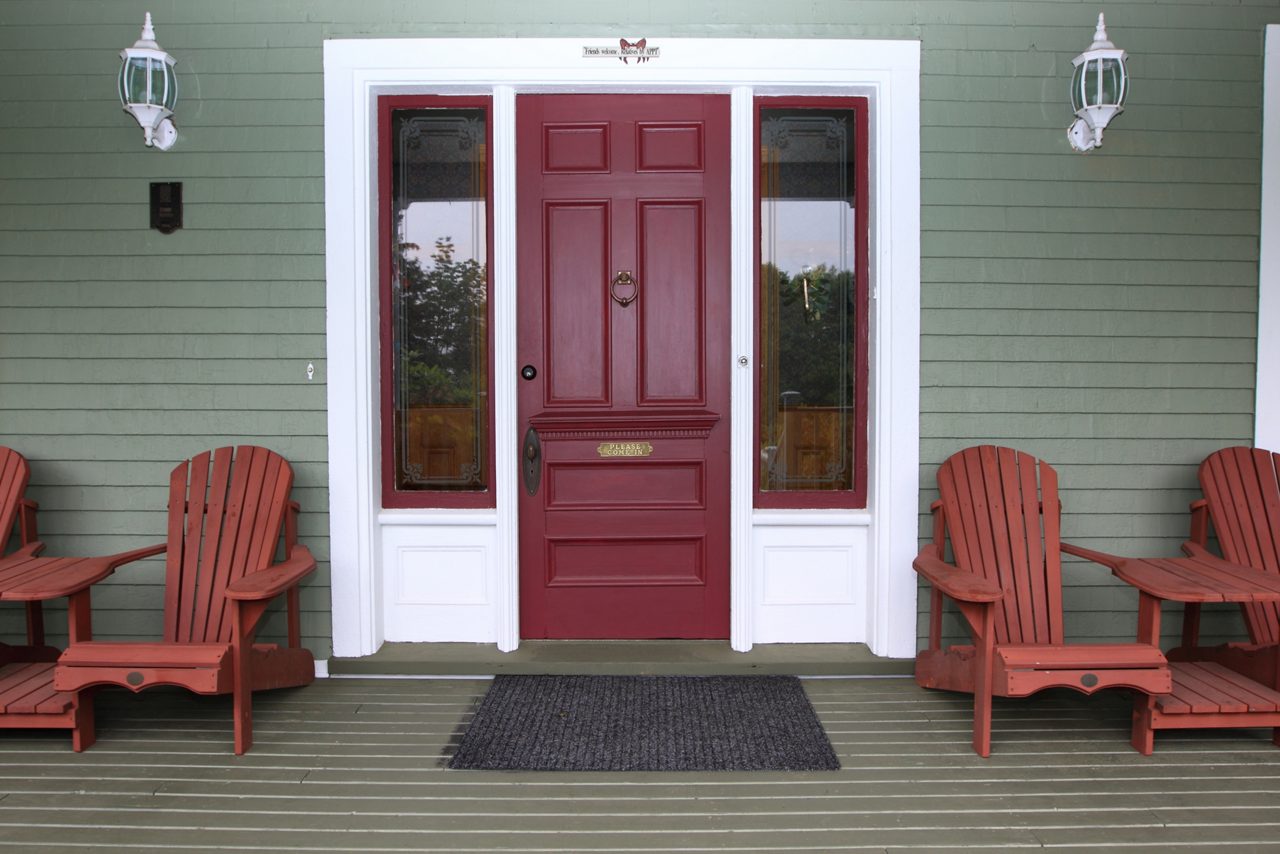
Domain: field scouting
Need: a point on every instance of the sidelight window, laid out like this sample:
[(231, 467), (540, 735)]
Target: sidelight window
[(812, 302), (435, 308)]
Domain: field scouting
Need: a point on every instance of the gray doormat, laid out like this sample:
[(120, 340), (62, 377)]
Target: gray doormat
[(645, 723)]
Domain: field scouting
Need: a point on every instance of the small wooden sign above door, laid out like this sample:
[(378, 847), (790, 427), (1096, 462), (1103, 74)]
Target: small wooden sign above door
[(624, 449), (625, 51)]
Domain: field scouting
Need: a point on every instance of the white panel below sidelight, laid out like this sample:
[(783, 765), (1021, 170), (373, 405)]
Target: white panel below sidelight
[(439, 583), (811, 580)]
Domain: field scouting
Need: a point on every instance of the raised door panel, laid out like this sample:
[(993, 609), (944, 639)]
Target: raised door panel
[(576, 303), (671, 344)]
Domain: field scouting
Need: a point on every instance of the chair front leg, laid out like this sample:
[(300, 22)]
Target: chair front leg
[(935, 618), (981, 624), (1143, 737), (293, 601), (1190, 625), (35, 624), (79, 617), (242, 689), (84, 731)]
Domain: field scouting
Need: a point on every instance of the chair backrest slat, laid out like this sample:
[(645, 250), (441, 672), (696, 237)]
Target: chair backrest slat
[(986, 483), (174, 556), (219, 516), (234, 502), (189, 488), (1051, 516), (992, 506), (1242, 488), (255, 529), (15, 473)]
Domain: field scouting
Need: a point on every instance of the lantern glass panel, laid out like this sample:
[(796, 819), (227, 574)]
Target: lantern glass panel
[(170, 85), (1113, 82), (1077, 87), (1103, 82), (133, 80)]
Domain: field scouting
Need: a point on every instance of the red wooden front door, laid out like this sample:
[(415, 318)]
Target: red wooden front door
[(623, 236)]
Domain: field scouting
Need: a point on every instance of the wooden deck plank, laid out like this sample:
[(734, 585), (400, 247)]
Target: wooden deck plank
[(375, 820), (432, 841), (357, 765), (813, 809), (1159, 837)]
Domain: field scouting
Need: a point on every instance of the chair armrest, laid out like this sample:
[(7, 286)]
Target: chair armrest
[(1193, 549), (960, 586), (122, 558), (69, 576), (26, 550), (1107, 560), (274, 580)]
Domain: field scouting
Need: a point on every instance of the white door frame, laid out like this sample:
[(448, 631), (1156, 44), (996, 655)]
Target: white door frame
[(357, 72)]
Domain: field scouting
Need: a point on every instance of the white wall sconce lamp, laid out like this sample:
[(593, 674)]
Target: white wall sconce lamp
[(149, 88), (1098, 89)]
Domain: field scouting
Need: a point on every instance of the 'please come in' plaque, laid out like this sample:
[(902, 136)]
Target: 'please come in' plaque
[(624, 449)]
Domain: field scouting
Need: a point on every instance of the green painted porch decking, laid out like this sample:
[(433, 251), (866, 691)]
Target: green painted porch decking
[(357, 764)]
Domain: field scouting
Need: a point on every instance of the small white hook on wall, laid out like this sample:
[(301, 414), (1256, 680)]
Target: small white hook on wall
[(311, 371)]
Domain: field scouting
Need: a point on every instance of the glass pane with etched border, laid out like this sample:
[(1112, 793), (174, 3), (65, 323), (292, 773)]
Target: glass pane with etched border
[(807, 299), (439, 300)]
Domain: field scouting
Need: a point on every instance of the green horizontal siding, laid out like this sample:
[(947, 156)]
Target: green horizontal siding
[(138, 372), (1098, 310), (1008, 427), (1097, 298), (170, 446), (189, 293), (112, 268), (195, 165), (1119, 350), (214, 217), (233, 190), (1046, 197), (1099, 220), (1094, 375)]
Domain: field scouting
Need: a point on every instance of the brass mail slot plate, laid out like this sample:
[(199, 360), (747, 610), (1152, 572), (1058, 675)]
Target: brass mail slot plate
[(624, 449)]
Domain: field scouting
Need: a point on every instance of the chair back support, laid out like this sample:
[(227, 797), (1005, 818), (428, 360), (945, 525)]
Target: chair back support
[(1000, 508), (226, 510), (14, 474), (1242, 489)]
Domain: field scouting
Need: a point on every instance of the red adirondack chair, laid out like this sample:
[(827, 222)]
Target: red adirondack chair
[(999, 508), (18, 511), (1241, 489), (14, 507), (226, 514)]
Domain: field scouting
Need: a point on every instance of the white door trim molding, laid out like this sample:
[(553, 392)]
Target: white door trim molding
[(1266, 412), (357, 72)]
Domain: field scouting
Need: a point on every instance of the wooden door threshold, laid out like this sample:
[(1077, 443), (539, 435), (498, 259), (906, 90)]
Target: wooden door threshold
[(666, 658)]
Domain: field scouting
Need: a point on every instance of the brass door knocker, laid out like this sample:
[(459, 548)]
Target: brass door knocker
[(624, 278)]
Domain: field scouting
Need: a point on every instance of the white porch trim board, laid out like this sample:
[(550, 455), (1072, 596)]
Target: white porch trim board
[(1266, 412), (796, 576)]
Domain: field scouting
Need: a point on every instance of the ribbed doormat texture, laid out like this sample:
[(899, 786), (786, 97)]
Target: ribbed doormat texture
[(645, 723)]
